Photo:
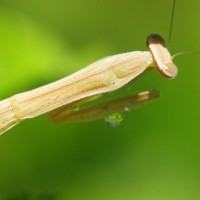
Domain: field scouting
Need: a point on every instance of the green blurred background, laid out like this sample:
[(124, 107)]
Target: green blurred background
[(153, 154)]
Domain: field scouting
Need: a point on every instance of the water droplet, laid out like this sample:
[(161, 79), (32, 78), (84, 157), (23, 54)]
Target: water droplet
[(114, 119), (126, 109)]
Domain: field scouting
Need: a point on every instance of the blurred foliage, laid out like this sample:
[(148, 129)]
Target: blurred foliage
[(153, 154)]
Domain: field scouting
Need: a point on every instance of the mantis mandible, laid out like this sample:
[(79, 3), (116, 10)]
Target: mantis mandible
[(105, 75)]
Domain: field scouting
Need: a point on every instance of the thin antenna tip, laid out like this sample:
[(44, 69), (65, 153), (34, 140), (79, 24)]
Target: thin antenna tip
[(171, 24)]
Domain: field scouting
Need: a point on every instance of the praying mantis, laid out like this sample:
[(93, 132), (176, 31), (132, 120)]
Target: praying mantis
[(105, 75)]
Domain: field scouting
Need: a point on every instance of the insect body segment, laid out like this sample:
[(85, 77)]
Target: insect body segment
[(8, 117)]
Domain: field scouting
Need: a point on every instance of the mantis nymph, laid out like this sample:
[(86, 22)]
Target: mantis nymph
[(105, 75)]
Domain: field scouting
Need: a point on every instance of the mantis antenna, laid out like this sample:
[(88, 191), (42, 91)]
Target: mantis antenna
[(171, 24), (185, 53)]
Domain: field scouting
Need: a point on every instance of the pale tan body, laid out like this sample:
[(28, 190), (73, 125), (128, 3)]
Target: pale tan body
[(105, 75)]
